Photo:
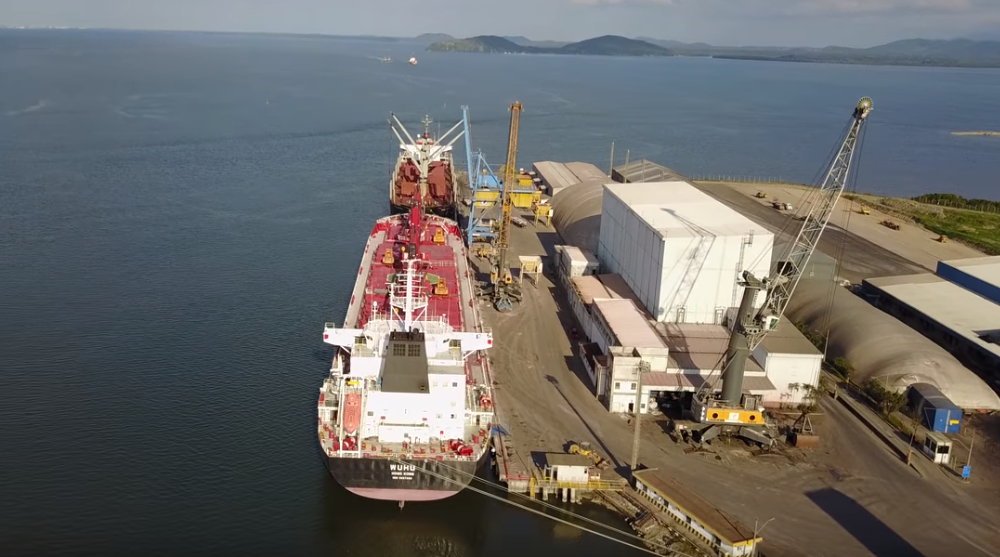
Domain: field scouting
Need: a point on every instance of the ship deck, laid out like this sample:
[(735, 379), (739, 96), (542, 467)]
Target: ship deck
[(445, 261), (442, 249), (434, 448)]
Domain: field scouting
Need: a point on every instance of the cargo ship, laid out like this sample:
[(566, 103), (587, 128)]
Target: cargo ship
[(424, 172), (406, 411)]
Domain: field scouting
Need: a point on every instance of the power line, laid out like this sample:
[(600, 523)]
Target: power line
[(542, 514), (549, 516)]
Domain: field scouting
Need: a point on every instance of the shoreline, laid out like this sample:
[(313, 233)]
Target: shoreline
[(986, 133)]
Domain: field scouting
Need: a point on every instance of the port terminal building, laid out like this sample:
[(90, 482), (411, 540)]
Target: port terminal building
[(650, 271), (957, 306)]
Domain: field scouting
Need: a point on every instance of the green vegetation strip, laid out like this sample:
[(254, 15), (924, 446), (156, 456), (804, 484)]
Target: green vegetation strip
[(975, 222)]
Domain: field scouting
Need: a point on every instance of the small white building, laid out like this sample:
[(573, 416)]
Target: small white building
[(624, 333), (568, 468), (679, 249), (790, 362), (937, 447), (572, 261)]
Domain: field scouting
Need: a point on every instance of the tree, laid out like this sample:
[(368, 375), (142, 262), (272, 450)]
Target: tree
[(843, 367)]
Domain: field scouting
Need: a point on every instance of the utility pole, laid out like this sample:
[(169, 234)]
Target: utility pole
[(909, 448), (611, 167), (637, 413), (756, 532), (968, 463)]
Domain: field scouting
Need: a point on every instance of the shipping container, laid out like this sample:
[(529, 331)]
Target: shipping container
[(936, 411)]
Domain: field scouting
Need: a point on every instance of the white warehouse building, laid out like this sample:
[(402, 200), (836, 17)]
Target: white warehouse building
[(681, 251)]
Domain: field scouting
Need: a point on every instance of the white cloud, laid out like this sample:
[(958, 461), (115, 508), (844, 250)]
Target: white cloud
[(865, 7), (812, 7)]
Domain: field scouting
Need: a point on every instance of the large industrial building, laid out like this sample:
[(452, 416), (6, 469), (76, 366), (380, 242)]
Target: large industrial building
[(958, 307), (680, 250), (655, 298)]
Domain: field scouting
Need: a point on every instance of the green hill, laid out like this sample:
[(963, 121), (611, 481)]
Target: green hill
[(608, 45), (614, 45)]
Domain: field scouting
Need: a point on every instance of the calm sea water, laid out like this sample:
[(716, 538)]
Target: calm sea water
[(180, 213)]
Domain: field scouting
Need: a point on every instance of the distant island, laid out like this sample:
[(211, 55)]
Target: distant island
[(979, 132), (607, 45), (908, 52), (981, 52)]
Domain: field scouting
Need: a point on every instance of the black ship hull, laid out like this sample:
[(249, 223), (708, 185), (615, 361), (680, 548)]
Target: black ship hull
[(401, 479)]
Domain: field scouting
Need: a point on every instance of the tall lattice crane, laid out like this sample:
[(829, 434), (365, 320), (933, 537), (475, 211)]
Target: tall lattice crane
[(504, 290), (731, 407)]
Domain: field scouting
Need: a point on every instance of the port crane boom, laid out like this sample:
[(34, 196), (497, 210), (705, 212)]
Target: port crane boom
[(750, 327), (504, 295)]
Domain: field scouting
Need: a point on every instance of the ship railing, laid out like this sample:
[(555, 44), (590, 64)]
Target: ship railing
[(593, 485), (442, 263)]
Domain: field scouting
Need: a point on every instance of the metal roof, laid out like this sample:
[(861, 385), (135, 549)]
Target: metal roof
[(618, 288), (610, 285), (590, 287), (709, 516), (556, 174), (628, 324), (576, 255), (678, 209), (787, 339), (643, 170), (577, 213), (933, 395), (566, 459), (694, 381), (963, 312), (559, 176), (697, 346), (986, 269), (585, 171)]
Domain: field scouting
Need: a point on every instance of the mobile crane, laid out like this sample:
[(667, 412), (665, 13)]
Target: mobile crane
[(731, 410), (505, 291)]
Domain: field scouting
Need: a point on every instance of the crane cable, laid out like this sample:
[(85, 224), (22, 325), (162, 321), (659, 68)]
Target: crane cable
[(807, 197), (550, 506), (538, 512), (839, 260)]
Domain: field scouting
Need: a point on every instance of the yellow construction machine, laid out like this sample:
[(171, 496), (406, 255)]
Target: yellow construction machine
[(583, 449)]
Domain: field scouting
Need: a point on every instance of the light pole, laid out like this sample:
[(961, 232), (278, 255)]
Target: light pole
[(756, 532), (637, 415)]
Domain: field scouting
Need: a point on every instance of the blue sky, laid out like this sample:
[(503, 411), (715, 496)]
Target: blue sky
[(728, 22)]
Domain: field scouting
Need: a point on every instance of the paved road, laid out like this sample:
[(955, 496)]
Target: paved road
[(861, 258)]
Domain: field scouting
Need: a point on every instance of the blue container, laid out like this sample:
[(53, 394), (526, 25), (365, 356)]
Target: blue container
[(936, 411), (945, 420)]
